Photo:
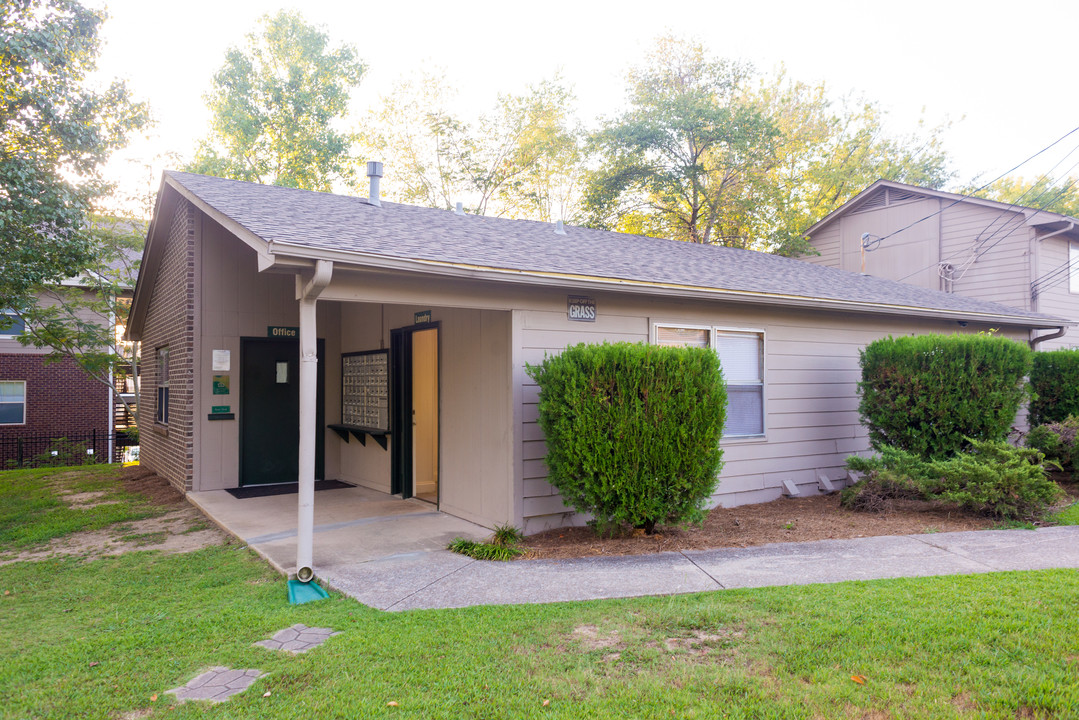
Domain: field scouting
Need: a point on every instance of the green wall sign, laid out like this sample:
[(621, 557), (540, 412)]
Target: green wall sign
[(424, 316), (219, 409), (221, 384), (283, 332)]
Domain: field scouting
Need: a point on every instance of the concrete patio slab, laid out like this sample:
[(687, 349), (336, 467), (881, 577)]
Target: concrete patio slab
[(352, 525)]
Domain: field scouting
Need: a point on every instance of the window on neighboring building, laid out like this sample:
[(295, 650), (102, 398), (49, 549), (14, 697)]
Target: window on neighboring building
[(741, 355), (11, 325), (13, 402), (1073, 267), (162, 413)]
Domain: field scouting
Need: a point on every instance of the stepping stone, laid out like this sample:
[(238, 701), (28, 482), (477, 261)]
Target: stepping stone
[(297, 639), (216, 684)]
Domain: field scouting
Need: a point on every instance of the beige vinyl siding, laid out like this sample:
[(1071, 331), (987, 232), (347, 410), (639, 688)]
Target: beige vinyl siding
[(236, 302), (1056, 297), (909, 254), (1002, 271), (811, 405), (827, 243)]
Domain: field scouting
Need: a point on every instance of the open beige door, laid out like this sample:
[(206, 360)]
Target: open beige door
[(425, 414)]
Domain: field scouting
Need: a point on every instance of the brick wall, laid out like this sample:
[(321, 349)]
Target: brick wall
[(170, 320), (61, 399)]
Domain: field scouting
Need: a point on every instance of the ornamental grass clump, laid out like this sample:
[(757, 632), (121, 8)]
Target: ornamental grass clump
[(929, 394), (633, 431), (1054, 384)]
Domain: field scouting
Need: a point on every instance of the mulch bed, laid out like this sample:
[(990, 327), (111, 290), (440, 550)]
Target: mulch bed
[(784, 520)]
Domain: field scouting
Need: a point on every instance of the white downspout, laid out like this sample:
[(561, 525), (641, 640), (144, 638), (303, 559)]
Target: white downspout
[(308, 295)]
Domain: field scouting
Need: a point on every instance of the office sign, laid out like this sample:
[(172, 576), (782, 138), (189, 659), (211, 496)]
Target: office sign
[(284, 333)]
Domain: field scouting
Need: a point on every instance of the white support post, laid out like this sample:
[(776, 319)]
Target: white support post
[(305, 522), (308, 389)]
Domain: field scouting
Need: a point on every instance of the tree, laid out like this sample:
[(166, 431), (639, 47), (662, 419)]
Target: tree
[(710, 153), (826, 153), (55, 135), (274, 105), (1059, 196), (520, 160), (678, 162), (84, 318)]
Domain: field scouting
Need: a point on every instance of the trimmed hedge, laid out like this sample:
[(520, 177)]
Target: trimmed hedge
[(633, 430), (929, 394), (1054, 382)]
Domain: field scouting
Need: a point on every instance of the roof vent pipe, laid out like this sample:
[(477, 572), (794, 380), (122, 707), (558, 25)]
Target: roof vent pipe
[(559, 228), (460, 209), (374, 172)]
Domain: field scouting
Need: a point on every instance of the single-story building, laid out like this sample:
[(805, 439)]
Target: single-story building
[(426, 320)]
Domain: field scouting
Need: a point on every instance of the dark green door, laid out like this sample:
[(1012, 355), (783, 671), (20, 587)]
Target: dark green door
[(270, 411)]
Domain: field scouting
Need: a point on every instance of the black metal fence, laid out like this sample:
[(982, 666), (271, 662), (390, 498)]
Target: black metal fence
[(32, 451)]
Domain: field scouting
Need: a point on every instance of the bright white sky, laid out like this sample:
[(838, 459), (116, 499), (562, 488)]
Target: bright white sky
[(1003, 72)]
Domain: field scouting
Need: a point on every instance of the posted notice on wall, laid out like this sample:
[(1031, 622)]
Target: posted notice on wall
[(221, 360)]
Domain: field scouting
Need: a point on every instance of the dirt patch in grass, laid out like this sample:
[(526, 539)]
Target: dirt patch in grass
[(183, 528), (780, 521), (157, 490)]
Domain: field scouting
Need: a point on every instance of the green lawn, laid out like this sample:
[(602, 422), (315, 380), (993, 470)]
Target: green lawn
[(100, 638), (32, 513)]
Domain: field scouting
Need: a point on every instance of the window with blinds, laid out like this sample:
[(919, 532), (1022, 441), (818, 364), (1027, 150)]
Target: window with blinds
[(741, 355)]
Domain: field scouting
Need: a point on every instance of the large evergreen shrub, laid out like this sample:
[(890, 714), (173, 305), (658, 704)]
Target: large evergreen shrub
[(928, 394), (1054, 382), (633, 430), (994, 479)]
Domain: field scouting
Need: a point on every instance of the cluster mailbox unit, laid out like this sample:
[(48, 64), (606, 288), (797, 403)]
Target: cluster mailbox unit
[(365, 396)]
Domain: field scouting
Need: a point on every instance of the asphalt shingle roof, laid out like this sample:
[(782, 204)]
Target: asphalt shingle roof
[(323, 221)]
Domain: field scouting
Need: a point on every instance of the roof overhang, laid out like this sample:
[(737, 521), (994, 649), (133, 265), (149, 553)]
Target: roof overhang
[(297, 256)]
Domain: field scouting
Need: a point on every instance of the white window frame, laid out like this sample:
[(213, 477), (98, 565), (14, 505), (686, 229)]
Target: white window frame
[(713, 331), (1073, 268), (23, 421), (5, 334), (162, 400)]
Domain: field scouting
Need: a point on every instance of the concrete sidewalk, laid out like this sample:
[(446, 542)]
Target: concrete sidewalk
[(390, 554), (440, 579)]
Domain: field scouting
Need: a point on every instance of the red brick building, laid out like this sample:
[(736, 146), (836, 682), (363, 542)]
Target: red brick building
[(40, 399)]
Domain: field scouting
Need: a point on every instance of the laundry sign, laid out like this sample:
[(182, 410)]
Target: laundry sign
[(582, 308)]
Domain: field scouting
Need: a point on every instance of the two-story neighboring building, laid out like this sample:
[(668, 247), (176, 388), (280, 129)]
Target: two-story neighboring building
[(42, 399), (1008, 254)]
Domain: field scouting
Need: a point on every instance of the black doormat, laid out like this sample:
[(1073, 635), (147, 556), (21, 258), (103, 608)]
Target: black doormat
[(282, 489)]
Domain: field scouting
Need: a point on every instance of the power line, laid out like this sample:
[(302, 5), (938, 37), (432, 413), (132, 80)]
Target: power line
[(976, 252), (979, 189)]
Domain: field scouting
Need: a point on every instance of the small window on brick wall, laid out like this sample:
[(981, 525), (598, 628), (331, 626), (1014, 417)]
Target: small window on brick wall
[(11, 325), (162, 412), (13, 402)]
